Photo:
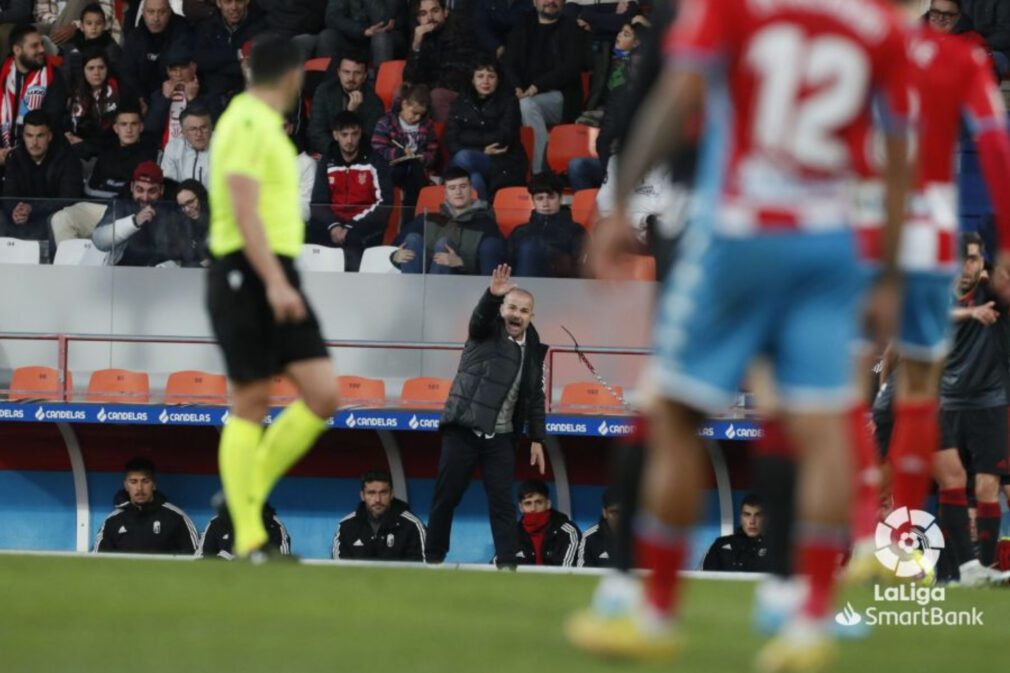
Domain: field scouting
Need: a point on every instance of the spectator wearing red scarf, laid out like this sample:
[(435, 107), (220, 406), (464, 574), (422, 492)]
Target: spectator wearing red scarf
[(546, 536)]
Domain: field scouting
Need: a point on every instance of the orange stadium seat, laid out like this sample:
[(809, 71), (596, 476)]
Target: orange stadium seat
[(196, 387), (588, 398), (37, 383), (528, 139), (432, 197), (642, 267), (584, 208), (317, 64), (512, 208), (570, 141), (357, 391), (388, 81), (425, 392), (119, 386), (282, 391)]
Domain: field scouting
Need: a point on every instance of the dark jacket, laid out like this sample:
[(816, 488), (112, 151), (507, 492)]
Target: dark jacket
[(158, 527), (487, 368), (463, 231), (166, 238), (495, 19), (991, 19), (57, 177), (288, 18), (560, 73), (597, 547), (218, 538), (737, 553), (216, 52), (563, 237), (79, 45), (143, 65), (352, 194), (603, 19), (399, 537), (445, 59), (114, 169), (475, 123), (352, 17), (330, 99), (560, 546), (16, 11)]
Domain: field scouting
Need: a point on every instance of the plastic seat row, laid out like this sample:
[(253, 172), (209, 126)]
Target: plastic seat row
[(122, 386)]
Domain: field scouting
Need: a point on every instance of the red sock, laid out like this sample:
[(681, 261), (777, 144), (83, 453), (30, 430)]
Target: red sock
[(916, 437), (661, 549), (818, 553), (866, 500), (987, 523)]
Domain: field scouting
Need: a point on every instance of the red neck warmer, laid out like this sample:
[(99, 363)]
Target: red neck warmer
[(535, 525)]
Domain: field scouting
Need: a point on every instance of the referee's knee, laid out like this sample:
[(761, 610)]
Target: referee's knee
[(323, 399)]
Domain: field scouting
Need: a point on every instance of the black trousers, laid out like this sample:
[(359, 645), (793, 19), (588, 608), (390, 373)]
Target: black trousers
[(462, 451)]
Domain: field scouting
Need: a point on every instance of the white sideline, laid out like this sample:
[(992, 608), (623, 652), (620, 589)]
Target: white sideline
[(466, 567)]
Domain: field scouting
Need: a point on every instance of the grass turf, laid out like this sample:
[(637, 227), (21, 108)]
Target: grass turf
[(90, 614)]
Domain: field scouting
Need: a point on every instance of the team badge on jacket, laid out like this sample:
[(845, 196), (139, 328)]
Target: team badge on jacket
[(157, 528)]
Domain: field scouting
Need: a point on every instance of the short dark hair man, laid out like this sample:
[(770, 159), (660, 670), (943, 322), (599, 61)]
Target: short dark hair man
[(40, 170), (745, 550), (546, 536), (442, 51), (973, 412), (218, 539), (28, 81), (127, 150), (352, 187), (382, 528), (597, 547), (550, 244), (497, 394), (144, 522), (461, 238), (350, 91)]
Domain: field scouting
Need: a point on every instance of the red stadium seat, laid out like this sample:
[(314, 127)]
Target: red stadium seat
[(388, 81), (282, 391), (528, 139), (425, 392), (588, 398), (584, 208), (119, 386), (357, 391), (37, 383), (512, 208), (570, 141), (196, 387)]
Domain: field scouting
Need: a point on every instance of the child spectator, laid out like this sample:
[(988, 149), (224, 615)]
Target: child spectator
[(406, 139), (93, 35), (550, 245), (615, 74)]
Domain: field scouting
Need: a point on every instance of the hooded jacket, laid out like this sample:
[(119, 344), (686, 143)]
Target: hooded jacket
[(597, 547), (488, 367), (157, 527), (563, 237), (351, 194), (737, 552), (475, 122), (560, 545), (463, 230), (399, 536), (181, 161), (218, 539)]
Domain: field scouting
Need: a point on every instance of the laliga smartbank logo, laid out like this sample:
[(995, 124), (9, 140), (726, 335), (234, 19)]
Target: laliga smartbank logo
[(908, 543)]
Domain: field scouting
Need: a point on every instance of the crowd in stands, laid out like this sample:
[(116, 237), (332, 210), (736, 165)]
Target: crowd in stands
[(94, 90)]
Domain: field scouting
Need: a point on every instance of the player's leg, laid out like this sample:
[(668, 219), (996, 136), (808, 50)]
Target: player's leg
[(952, 481), (299, 426), (240, 437), (987, 445)]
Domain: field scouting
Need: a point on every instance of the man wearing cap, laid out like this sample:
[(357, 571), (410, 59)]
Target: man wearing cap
[(179, 90), (144, 231)]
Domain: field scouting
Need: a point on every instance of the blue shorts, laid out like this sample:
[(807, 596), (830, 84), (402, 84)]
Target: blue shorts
[(791, 297), (925, 316)]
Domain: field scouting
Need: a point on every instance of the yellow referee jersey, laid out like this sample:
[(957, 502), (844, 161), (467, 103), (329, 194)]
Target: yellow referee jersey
[(250, 140)]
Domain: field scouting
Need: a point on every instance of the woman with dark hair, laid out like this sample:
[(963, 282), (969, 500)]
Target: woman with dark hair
[(482, 134), (91, 109), (194, 216)]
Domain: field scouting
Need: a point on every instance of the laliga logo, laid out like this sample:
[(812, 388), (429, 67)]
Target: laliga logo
[(413, 423), (917, 532), (350, 421)]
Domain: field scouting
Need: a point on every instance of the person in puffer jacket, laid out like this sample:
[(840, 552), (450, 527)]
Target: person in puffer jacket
[(550, 244)]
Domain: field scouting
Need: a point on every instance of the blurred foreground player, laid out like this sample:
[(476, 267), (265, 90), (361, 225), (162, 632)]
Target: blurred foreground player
[(781, 279), (260, 316)]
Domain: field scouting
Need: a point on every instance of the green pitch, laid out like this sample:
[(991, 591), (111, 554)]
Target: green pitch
[(83, 615)]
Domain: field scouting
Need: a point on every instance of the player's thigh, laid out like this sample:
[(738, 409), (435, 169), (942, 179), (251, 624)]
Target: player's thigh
[(949, 470), (986, 441), (925, 317), (816, 327), (950, 429), (713, 318)]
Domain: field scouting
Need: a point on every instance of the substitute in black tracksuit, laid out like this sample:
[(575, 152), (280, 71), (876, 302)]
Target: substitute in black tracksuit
[(597, 547), (497, 394), (218, 538), (397, 535), (737, 552), (546, 536), (154, 527)]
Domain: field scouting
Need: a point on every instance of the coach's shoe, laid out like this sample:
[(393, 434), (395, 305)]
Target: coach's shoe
[(641, 635), (802, 647)]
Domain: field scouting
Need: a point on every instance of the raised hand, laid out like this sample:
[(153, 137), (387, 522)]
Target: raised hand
[(501, 281)]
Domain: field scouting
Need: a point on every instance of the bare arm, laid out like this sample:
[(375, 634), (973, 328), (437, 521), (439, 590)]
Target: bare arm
[(284, 299), (896, 172)]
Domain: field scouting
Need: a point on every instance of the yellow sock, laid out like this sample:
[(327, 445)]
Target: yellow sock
[(237, 460), (284, 443)]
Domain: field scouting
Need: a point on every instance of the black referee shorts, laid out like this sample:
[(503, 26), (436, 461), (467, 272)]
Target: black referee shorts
[(981, 437), (255, 346)]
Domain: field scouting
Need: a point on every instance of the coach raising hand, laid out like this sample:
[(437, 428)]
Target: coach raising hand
[(497, 394)]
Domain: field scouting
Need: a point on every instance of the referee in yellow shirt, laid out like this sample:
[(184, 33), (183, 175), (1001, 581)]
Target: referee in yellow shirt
[(262, 320)]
